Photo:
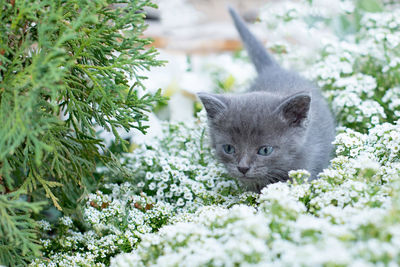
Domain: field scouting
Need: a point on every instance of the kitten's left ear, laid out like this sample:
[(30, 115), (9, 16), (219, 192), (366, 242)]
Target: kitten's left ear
[(295, 109), (213, 103)]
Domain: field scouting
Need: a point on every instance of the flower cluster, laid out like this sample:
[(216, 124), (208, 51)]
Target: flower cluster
[(117, 219), (358, 72), (351, 210), (179, 207), (179, 168), (172, 175), (297, 29), (360, 75)]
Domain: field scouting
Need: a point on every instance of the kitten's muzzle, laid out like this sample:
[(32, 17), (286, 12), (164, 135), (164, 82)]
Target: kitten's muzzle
[(243, 169)]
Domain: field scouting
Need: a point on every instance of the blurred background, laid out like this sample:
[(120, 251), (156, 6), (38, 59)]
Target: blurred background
[(203, 52)]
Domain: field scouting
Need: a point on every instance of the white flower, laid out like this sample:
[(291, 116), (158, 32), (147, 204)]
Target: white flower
[(180, 207), (44, 225), (65, 220)]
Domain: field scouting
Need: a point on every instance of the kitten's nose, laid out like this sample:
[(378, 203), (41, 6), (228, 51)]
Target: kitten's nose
[(243, 169)]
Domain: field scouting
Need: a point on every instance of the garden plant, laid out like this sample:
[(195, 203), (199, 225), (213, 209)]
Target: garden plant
[(65, 67)]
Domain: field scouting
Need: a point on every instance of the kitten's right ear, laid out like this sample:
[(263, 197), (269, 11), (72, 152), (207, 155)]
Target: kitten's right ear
[(295, 109), (213, 103)]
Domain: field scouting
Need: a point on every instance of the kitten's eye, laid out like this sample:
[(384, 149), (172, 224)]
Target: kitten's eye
[(265, 150), (229, 149)]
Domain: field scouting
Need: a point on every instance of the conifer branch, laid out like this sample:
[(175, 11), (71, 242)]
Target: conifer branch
[(64, 69)]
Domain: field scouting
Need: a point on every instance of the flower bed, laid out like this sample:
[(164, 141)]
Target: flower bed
[(179, 208)]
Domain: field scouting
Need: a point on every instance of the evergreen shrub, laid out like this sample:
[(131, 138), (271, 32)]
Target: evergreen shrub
[(65, 67)]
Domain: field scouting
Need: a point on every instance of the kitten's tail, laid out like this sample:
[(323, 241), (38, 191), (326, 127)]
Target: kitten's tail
[(258, 54)]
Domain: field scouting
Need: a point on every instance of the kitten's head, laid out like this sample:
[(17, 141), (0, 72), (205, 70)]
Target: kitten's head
[(258, 136)]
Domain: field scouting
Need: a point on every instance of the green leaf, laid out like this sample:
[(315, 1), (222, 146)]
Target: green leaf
[(370, 5), (65, 69)]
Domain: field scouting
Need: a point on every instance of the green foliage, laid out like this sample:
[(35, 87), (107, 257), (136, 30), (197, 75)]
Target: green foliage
[(17, 230), (65, 67), (176, 204)]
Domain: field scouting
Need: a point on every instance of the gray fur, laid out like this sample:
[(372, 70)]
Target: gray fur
[(254, 47), (281, 110)]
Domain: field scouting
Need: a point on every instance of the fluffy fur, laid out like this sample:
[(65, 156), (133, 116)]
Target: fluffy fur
[(281, 111)]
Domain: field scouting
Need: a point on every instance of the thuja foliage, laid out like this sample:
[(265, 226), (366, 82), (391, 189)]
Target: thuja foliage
[(65, 67)]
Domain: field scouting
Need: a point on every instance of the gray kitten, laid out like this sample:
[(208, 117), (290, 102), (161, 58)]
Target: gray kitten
[(281, 124)]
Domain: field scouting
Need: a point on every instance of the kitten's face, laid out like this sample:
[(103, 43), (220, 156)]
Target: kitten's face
[(257, 136)]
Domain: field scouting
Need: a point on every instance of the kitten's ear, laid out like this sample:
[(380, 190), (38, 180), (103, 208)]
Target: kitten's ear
[(213, 103), (295, 108)]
